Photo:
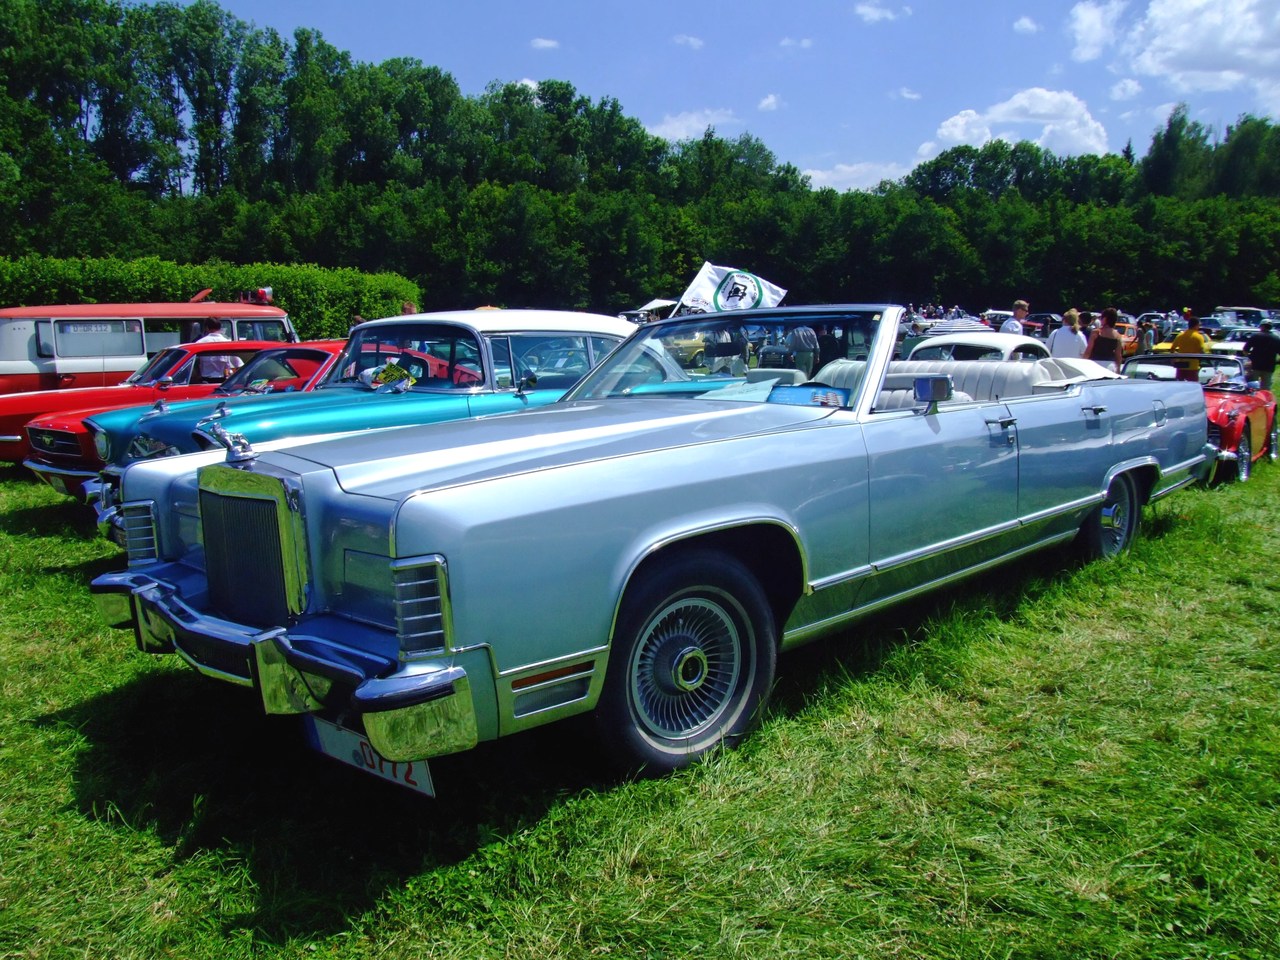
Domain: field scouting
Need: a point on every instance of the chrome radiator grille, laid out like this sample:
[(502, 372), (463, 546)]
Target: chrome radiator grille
[(243, 558), (61, 443)]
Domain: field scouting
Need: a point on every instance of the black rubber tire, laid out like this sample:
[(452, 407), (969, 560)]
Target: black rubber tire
[(692, 664), (1273, 441), (1111, 527), (698, 360), (1244, 457)]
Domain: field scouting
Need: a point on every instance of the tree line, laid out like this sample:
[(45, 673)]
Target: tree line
[(181, 132)]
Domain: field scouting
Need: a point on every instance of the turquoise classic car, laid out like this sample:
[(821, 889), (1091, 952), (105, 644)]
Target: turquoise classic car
[(401, 371), (640, 551)]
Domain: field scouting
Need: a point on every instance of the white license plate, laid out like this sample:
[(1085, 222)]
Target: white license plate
[(351, 748)]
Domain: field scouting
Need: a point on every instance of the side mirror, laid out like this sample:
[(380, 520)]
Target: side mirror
[(932, 391), (528, 382), (165, 382)]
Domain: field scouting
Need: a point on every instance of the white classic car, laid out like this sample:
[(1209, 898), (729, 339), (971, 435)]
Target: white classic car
[(642, 549), (978, 346)]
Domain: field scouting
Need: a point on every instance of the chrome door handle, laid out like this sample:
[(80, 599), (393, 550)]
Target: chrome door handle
[(1004, 423), (1096, 409)]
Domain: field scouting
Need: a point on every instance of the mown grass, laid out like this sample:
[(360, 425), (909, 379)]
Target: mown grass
[(1058, 761)]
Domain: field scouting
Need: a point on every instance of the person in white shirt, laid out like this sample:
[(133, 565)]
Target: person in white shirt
[(1067, 340), (1014, 324), (216, 366)]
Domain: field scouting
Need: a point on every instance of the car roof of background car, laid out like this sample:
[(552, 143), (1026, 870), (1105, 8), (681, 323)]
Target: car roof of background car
[(759, 315), (987, 338), (516, 321), (234, 309)]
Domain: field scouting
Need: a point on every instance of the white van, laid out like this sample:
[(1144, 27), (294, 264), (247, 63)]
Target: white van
[(99, 344)]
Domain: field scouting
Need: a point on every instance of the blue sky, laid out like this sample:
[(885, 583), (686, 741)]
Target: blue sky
[(851, 91)]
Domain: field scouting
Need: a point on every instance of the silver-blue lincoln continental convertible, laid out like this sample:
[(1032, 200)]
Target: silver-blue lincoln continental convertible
[(642, 549)]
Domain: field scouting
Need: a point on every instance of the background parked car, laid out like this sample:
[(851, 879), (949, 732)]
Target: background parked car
[(1242, 418), (72, 345), (978, 346)]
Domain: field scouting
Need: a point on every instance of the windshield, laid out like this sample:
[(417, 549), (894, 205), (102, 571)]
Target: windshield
[(429, 356), (276, 371), (756, 358), (162, 364), (1212, 370)]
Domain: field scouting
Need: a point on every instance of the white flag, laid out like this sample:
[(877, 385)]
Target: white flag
[(715, 289)]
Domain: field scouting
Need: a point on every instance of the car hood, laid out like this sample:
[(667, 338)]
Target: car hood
[(37, 402), (398, 462)]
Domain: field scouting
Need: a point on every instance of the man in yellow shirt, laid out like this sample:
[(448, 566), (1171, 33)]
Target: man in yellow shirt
[(1190, 340)]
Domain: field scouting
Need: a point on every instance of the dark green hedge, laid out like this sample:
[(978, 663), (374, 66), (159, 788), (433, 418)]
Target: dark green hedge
[(321, 301)]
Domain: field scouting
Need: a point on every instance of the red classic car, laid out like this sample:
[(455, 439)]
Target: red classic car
[(61, 448), (1242, 417)]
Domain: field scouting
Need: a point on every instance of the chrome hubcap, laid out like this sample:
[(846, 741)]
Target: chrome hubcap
[(686, 669)]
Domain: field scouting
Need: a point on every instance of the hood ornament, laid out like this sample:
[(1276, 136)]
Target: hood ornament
[(239, 450), (159, 408)]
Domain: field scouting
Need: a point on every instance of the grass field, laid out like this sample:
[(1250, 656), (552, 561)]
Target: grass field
[(1057, 761)]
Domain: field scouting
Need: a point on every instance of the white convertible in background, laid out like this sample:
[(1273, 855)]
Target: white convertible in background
[(643, 548)]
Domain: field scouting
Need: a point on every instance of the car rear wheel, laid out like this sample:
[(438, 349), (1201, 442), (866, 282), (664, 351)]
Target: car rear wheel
[(1244, 457), (692, 663), (1110, 528)]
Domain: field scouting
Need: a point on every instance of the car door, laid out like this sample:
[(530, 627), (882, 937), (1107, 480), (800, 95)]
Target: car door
[(534, 369), (1061, 440), (943, 491)]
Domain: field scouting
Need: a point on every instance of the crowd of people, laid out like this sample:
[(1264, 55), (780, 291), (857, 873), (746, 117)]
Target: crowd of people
[(1099, 338)]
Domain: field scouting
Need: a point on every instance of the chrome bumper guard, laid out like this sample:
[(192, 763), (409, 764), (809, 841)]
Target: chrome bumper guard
[(409, 713)]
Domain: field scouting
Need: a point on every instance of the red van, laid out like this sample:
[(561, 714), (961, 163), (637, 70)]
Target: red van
[(99, 344)]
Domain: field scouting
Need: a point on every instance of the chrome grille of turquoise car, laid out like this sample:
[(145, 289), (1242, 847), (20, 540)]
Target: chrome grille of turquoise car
[(243, 559), (138, 521), (422, 605)]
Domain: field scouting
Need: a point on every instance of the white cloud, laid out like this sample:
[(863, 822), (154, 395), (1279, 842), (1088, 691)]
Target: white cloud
[(692, 124), (874, 12), (1126, 89), (1025, 25), (771, 102), (684, 40), (856, 176), (1057, 120), (804, 43), (541, 43), (1094, 26), (1210, 46), (906, 93)]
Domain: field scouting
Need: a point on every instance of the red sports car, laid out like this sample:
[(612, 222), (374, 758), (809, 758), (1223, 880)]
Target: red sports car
[(1242, 417), (61, 448)]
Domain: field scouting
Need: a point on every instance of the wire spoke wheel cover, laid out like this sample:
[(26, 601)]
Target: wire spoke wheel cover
[(692, 663), (687, 666), (1244, 456)]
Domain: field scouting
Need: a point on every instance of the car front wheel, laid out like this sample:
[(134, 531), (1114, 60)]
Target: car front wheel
[(692, 663), (1244, 457)]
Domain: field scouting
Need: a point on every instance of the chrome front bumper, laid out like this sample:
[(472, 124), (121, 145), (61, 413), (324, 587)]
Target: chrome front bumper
[(80, 484), (408, 713)]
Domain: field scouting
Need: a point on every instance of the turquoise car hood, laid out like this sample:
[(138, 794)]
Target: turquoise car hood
[(394, 464), (334, 409)]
